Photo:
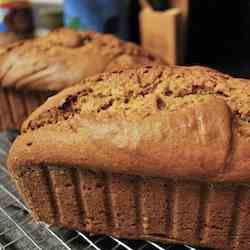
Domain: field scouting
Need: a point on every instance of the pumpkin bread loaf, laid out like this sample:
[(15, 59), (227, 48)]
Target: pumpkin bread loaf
[(159, 153)]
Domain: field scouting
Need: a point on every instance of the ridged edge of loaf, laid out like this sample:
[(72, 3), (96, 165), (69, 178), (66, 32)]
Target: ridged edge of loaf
[(16, 106), (171, 211)]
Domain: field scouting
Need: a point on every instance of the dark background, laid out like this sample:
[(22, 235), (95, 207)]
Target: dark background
[(218, 35)]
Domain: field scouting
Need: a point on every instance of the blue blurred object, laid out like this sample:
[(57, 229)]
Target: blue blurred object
[(3, 26), (110, 16)]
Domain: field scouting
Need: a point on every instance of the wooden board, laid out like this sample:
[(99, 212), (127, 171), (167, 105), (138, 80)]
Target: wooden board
[(159, 33)]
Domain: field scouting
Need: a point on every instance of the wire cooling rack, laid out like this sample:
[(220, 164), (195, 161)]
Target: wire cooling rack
[(18, 231)]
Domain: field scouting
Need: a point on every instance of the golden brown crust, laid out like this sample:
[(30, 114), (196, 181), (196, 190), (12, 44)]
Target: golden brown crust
[(65, 57), (164, 128)]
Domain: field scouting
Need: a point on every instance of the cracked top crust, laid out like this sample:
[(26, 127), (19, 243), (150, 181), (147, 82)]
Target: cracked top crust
[(173, 122), (65, 57)]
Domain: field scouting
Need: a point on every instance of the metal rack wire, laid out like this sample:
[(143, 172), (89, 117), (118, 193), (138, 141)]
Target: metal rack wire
[(17, 231)]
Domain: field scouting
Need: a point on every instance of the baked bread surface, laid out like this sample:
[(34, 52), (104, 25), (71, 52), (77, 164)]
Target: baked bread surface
[(174, 122), (64, 57)]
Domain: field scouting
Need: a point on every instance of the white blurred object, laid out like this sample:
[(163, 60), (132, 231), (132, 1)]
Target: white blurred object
[(48, 1)]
